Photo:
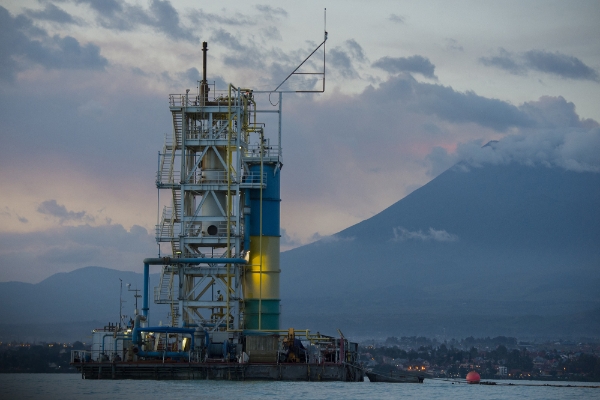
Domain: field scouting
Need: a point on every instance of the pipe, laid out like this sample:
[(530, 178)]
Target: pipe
[(172, 260), (247, 211), (204, 84), (136, 337), (171, 354), (146, 284)]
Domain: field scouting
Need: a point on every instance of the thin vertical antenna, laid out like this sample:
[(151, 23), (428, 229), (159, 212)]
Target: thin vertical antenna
[(324, 40)]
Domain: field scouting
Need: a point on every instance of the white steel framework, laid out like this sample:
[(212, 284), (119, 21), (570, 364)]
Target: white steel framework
[(204, 165)]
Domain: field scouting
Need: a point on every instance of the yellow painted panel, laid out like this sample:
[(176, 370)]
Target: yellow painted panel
[(266, 284)]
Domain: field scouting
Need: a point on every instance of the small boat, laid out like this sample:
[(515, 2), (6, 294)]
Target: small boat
[(395, 378)]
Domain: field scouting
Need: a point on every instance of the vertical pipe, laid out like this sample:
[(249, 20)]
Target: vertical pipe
[(204, 83), (146, 284), (279, 128), (247, 211)]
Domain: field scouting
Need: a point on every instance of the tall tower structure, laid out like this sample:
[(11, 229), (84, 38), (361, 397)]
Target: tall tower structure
[(221, 170)]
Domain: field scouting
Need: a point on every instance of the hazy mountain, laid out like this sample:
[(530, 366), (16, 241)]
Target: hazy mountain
[(495, 243), (67, 306), (497, 250)]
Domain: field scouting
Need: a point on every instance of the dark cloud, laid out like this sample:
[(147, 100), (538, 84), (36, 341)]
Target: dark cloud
[(466, 107), (161, 15), (221, 36), (565, 66), (356, 50), (343, 58), (505, 61), (51, 13), (271, 12), (397, 18), (22, 44), (52, 208), (192, 75), (341, 61), (450, 105), (66, 53), (561, 65), (416, 64), (167, 20)]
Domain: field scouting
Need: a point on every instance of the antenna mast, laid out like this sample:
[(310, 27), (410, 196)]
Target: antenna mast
[(306, 59)]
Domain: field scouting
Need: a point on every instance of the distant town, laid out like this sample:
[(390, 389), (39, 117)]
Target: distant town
[(494, 358)]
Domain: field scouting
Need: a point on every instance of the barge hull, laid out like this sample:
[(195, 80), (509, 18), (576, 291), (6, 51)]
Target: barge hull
[(231, 372)]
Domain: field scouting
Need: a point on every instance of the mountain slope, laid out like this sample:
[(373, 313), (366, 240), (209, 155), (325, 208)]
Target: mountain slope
[(510, 239)]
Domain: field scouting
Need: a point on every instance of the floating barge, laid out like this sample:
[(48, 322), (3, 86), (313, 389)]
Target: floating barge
[(218, 235), (259, 357)]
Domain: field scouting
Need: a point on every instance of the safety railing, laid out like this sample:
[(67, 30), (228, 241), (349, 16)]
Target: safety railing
[(211, 177), (218, 98), (267, 151)]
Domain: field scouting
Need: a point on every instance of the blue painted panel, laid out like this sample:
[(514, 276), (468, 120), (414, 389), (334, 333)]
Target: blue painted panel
[(271, 203)]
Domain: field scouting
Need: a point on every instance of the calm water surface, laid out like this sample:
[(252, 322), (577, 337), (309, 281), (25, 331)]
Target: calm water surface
[(71, 386)]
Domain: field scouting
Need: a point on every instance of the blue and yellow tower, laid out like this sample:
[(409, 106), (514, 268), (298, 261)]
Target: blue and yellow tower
[(261, 283)]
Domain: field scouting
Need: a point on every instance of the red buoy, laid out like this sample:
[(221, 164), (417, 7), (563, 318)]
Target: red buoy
[(473, 377)]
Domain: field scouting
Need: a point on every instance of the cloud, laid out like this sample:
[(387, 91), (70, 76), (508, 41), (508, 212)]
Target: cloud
[(52, 208), (161, 15), (356, 50), (167, 21), (236, 19), (559, 138), (7, 212), (107, 8), (317, 237), (221, 36), (451, 105), (287, 241), (67, 248), (271, 32), (23, 45), (505, 61), (398, 19), (452, 44), (341, 61), (565, 66), (271, 12), (417, 64), (557, 64), (402, 234), (52, 13), (343, 58)]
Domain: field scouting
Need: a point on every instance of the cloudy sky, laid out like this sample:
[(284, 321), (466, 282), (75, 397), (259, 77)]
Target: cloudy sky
[(412, 87)]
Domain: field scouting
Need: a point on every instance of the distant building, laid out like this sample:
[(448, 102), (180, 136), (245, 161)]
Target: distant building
[(502, 370)]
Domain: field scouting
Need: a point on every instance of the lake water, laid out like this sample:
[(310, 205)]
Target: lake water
[(71, 386)]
